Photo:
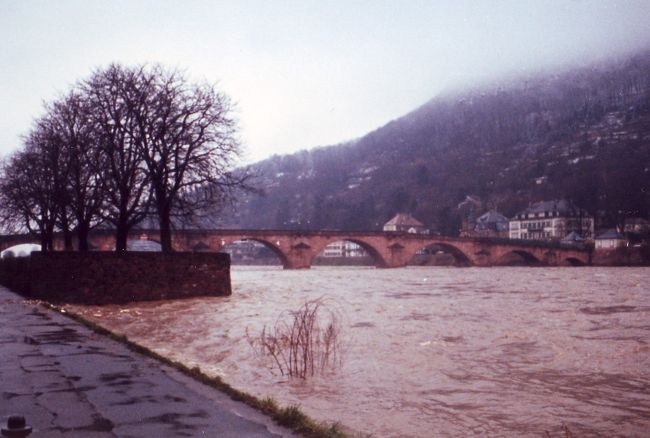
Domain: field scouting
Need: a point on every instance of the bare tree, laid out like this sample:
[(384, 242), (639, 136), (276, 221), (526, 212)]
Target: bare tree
[(186, 136), (52, 184), (29, 192), (46, 143), (123, 175), (72, 128)]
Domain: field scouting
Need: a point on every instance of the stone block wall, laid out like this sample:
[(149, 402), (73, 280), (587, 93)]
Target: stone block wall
[(626, 256), (14, 274), (115, 278)]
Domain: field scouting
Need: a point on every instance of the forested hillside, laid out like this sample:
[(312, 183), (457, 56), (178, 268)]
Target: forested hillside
[(582, 135)]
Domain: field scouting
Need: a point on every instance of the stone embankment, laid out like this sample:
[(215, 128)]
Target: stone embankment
[(627, 256), (115, 278)]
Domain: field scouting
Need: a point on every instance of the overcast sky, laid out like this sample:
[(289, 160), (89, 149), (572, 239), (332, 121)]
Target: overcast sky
[(303, 73)]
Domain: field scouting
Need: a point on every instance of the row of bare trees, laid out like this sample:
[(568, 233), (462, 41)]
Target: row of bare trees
[(126, 144)]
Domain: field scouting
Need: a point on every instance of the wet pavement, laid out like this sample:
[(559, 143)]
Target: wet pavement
[(69, 381)]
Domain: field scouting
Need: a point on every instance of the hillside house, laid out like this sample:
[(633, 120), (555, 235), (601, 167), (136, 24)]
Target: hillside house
[(611, 239), (551, 220), (637, 225), (491, 224), (405, 223)]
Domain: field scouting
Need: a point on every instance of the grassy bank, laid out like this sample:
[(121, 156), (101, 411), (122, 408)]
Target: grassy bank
[(291, 416)]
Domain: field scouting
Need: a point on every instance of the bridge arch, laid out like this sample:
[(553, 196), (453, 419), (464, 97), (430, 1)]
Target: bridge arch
[(147, 245), (200, 246), (19, 250), (368, 247), (273, 246), (518, 256), (573, 261), (10, 241), (460, 258)]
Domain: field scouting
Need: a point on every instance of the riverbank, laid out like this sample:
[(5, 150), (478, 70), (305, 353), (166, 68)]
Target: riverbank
[(72, 376)]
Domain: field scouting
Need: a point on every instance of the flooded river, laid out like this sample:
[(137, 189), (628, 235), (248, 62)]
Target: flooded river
[(433, 351)]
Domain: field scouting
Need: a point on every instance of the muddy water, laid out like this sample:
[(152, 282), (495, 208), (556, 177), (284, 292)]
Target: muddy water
[(434, 351)]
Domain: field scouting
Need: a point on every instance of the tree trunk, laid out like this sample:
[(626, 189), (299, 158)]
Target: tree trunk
[(43, 240), (67, 235), (49, 237), (49, 242), (165, 229), (121, 236), (67, 239), (82, 236)]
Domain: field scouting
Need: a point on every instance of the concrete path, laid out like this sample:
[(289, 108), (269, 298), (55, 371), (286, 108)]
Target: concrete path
[(68, 381)]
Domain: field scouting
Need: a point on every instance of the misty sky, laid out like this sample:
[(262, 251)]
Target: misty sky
[(303, 73)]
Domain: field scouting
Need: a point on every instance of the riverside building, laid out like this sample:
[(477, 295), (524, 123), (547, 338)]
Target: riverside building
[(551, 220)]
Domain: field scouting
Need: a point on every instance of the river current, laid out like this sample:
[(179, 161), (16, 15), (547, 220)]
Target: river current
[(432, 351)]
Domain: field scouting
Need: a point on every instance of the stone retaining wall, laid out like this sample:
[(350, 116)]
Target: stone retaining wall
[(114, 278), (622, 257)]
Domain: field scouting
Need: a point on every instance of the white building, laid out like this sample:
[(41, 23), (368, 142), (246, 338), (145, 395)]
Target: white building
[(405, 223), (551, 220), (611, 239), (343, 248)]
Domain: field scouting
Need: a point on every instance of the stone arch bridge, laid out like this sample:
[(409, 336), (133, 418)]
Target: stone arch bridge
[(297, 249)]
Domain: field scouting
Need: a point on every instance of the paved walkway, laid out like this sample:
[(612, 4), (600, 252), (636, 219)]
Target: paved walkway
[(68, 381)]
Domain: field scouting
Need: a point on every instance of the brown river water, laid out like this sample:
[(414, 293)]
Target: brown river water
[(432, 351)]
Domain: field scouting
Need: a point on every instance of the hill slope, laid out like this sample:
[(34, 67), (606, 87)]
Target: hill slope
[(582, 135)]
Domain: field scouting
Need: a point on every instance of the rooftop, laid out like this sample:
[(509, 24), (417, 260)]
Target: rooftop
[(492, 219), (562, 207), (404, 219), (573, 237), (491, 216), (611, 234)]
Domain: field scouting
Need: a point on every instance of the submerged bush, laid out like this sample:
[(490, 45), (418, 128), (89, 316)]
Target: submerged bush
[(303, 342), (565, 430)]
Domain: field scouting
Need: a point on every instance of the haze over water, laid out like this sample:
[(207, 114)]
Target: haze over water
[(432, 351)]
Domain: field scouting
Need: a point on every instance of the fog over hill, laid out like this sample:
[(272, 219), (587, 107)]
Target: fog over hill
[(582, 134)]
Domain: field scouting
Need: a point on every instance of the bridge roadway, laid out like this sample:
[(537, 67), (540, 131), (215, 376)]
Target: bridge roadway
[(298, 249)]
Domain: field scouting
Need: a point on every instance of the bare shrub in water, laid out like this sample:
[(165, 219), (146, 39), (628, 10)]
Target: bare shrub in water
[(565, 430), (302, 342)]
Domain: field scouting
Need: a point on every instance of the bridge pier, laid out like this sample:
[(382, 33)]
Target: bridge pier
[(395, 259), (296, 263), (298, 256)]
